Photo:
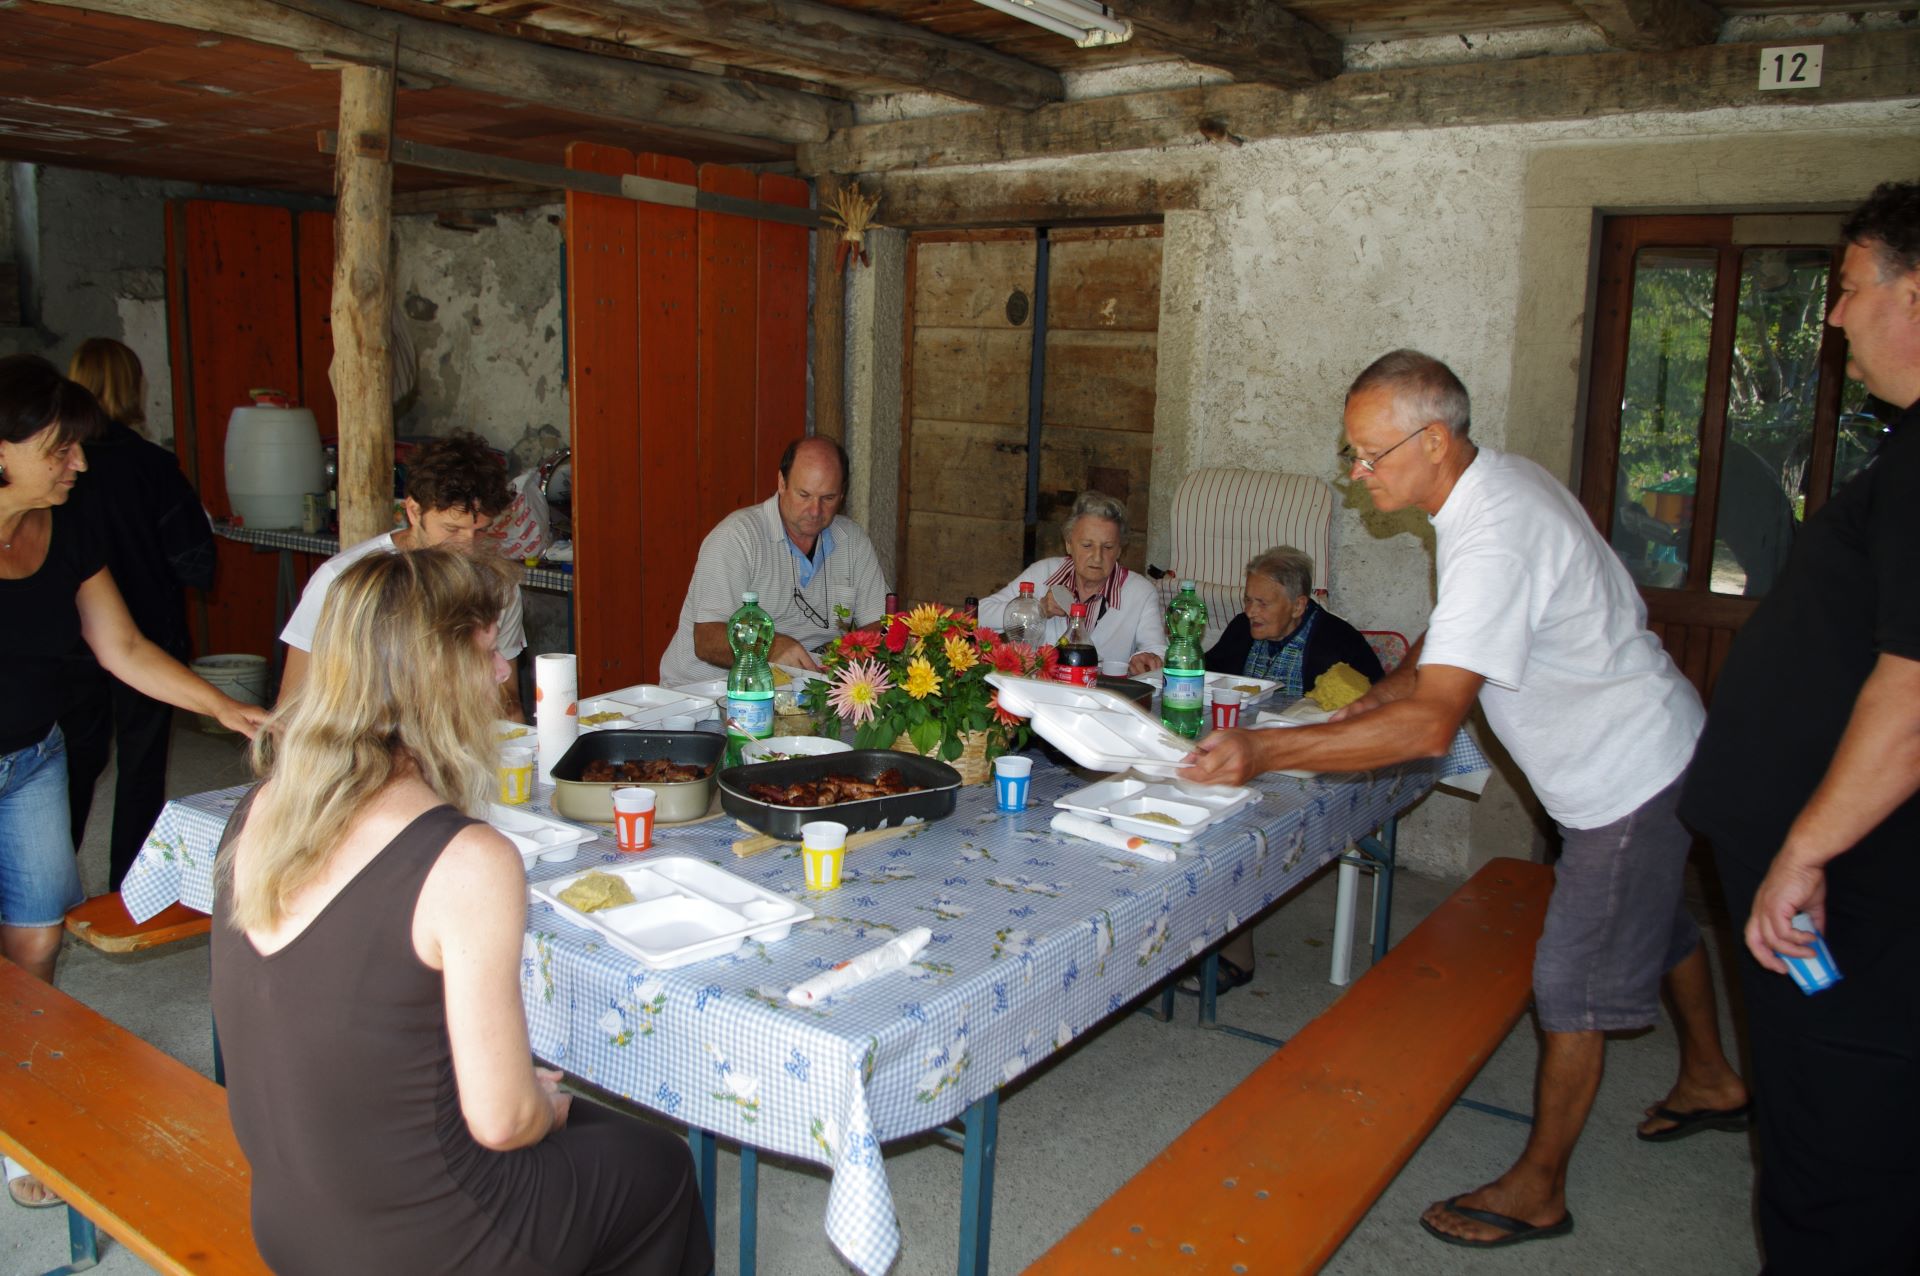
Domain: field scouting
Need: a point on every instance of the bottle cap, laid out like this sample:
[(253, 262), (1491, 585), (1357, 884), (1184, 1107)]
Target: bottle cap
[(1078, 609), (1186, 585), (749, 597), (1026, 587)]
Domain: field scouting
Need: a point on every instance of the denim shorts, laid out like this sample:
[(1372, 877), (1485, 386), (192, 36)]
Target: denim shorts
[(1617, 920), (39, 876)]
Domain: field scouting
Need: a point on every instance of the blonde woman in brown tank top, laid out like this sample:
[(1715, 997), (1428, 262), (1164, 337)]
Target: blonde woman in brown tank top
[(366, 956)]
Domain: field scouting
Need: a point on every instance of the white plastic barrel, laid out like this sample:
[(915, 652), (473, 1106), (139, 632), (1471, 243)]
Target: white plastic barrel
[(240, 676), (273, 459)]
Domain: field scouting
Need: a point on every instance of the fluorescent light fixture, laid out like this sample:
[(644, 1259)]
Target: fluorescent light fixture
[(1085, 23)]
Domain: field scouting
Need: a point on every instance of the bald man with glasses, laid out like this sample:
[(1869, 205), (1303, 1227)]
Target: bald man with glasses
[(1538, 622), (809, 563)]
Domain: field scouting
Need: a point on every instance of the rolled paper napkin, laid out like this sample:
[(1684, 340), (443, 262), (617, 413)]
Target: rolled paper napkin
[(555, 734), (892, 955), (556, 684), (1106, 835)]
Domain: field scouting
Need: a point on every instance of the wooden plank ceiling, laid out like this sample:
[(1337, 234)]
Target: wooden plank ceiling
[(234, 91)]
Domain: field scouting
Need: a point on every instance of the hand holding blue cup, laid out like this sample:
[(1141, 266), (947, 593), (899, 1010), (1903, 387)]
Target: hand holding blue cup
[(1011, 775)]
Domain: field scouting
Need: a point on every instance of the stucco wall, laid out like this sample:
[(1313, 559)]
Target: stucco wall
[(1309, 257)]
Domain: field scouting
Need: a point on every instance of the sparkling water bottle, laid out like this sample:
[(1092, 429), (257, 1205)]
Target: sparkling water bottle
[(1023, 621), (1183, 687), (750, 682)]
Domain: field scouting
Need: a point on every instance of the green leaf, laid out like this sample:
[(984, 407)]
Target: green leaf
[(950, 748), (924, 735)]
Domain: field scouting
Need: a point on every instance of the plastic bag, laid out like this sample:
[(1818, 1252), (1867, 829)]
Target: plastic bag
[(523, 528)]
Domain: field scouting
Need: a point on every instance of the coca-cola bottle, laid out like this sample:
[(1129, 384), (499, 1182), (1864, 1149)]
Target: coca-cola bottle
[(1079, 658)]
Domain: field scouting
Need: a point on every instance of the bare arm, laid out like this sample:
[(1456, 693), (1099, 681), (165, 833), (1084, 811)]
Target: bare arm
[(1420, 724), (292, 674), (1874, 770), (124, 652), (470, 924), (710, 644)]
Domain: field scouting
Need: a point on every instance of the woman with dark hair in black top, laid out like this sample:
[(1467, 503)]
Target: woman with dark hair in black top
[(55, 590)]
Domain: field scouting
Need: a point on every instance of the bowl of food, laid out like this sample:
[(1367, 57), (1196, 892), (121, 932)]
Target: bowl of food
[(679, 767), (781, 747)]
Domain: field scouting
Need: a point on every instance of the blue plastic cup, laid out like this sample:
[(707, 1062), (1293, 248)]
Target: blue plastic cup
[(1011, 775), (1816, 973)]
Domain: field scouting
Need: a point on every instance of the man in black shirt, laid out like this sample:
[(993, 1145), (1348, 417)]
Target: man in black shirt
[(1806, 782)]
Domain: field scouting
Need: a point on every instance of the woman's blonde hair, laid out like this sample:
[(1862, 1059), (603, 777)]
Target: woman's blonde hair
[(112, 372), (397, 684)]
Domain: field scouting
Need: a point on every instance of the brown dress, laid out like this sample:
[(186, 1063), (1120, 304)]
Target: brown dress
[(341, 1086)]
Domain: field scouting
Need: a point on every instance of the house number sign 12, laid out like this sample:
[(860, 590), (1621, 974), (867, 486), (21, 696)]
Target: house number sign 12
[(1792, 66)]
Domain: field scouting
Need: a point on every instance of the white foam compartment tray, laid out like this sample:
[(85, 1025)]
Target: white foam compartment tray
[(1122, 801), (534, 835), (646, 705), (684, 910), (1100, 730)]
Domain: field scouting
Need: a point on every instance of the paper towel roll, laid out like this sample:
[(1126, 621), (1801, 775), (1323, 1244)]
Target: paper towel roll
[(555, 734), (556, 685)]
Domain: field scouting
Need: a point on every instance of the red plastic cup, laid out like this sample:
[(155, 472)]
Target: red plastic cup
[(633, 818), (1226, 708)]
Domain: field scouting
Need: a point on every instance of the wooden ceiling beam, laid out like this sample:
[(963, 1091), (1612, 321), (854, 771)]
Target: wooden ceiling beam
[(1882, 66), (843, 42), (705, 110), (1260, 43), (1651, 25)]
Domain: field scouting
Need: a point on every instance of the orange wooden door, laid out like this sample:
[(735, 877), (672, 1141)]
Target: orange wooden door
[(687, 338), (249, 286)]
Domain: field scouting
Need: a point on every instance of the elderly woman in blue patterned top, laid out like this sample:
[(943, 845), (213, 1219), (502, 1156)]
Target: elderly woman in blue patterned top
[(1282, 634)]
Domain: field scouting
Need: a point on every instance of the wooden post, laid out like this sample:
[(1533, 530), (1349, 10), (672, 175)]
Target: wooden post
[(829, 321), (363, 302)]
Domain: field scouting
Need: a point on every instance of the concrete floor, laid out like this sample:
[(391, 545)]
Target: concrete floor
[(1076, 1130)]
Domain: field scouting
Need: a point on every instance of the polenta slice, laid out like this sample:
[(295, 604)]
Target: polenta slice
[(592, 892), (1338, 687)]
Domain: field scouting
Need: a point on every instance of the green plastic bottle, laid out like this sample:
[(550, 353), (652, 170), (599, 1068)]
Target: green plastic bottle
[(1183, 687), (750, 682)]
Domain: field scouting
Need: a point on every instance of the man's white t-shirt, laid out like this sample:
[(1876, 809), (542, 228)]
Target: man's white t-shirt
[(1577, 688), (510, 642)]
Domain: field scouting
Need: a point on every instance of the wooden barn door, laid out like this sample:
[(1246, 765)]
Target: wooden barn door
[(687, 379), (249, 288), (1002, 434)]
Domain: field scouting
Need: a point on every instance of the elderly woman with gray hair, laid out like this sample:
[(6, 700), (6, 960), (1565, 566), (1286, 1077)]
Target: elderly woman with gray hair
[(1282, 634), (1122, 607)]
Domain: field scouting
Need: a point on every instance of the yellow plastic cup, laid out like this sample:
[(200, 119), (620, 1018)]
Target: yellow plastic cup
[(516, 774), (823, 851)]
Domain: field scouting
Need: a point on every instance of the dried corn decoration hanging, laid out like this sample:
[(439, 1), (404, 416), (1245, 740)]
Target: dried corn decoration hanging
[(852, 211)]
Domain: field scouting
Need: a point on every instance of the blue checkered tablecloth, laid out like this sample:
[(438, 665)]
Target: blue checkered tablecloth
[(1037, 938)]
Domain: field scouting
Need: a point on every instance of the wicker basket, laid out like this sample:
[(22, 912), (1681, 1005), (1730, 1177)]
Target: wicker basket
[(972, 763)]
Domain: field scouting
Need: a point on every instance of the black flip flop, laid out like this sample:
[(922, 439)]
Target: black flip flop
[(1226, 979), (1517, 1230), (1732, 1120)]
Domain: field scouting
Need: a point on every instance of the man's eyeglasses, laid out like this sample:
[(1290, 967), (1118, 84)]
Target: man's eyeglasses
[(1350, 458), (812, 613)]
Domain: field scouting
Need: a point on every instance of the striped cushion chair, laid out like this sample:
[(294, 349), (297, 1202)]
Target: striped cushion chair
[(1221, 518)]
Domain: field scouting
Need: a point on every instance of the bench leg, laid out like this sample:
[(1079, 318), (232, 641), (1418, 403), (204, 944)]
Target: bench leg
[(749, 1209), (976, 1184), (83, 1244)]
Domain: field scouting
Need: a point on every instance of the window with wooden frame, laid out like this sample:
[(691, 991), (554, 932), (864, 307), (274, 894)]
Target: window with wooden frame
[(1720, 414)]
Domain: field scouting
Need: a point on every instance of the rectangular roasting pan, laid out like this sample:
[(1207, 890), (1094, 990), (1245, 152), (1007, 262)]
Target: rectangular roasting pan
[(939, 788)]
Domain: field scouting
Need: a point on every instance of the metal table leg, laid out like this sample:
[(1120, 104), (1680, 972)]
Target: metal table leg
[(976, 1184), (705, 1174), (749, 1209), (1341, 969)]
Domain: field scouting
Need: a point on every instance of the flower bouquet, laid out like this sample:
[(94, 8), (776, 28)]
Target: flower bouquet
[(922, 674)]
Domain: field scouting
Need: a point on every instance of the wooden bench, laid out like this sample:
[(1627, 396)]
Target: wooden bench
[(104, 922), (1276, 1174), (132, 1139)]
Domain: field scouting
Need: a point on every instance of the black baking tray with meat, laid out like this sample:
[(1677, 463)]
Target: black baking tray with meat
[(937, 786)]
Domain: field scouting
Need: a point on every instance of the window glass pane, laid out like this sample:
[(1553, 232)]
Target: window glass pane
[(1660, 409), (1863, 419), (1771, 390)]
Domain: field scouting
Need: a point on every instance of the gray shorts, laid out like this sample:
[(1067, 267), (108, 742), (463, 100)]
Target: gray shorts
[(1617, 920)]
